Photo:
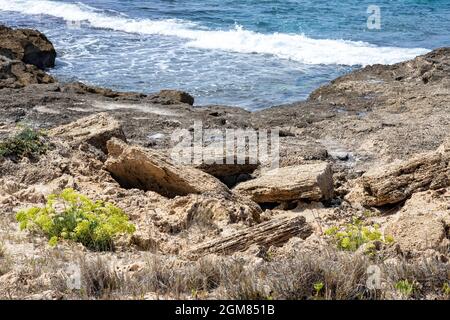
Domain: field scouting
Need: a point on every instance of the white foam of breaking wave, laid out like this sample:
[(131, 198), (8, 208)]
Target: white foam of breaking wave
[(296, 47)]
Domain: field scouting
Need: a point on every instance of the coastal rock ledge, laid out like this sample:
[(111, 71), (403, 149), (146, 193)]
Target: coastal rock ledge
[(363, 182), (28, 46)]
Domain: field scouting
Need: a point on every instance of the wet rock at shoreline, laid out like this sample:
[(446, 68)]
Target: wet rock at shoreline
[(174, 97), (16, 74), (29, 46)]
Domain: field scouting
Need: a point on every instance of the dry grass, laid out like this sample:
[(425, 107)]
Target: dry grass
[(5, 260), (342, 274)]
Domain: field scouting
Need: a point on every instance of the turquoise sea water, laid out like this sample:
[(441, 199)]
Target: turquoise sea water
[(250, 53)]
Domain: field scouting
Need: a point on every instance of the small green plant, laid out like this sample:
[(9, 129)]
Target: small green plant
[(405, 287), (446, 289), (2, 250), (354, 235), (28, 143), (72, 216), (318, 286), (369, 213)]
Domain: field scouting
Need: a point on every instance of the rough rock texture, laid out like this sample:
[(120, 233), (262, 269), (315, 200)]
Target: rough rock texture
[(365, 120), (423, 222), (146, 169), (174, 97), (193, 208), (29, 46), (275, 232), (305, 182), (396, 182), (16, 74), (436, 202), (82, 89), (95, 130), (377, 114), (417, 232)]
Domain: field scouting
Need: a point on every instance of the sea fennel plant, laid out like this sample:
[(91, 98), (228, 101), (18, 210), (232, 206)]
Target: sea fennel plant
[(73, 216)]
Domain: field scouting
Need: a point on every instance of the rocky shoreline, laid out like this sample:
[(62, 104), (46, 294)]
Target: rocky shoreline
[(364, 181)]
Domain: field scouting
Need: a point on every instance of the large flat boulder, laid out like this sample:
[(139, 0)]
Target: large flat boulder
[(29, 46), (303, 182), (396, 182), (151, 170), (96, 130)]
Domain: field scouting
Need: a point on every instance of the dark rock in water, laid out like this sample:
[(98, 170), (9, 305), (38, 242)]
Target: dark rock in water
[(29, 46), (175, 97), (16, 74)]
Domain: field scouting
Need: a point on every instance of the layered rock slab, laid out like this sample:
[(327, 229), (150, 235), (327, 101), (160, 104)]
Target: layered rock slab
[(396, 182), (275, 232), (303, 182), (151, 170)]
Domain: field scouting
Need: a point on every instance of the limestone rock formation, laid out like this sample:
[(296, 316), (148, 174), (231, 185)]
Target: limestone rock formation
[(175, 97), (396, 182), (206, 209), (16, 74), (304, 182), (29, 46), (95, 130), (417, 232), (423, 222), (272, 233), (147, 169)]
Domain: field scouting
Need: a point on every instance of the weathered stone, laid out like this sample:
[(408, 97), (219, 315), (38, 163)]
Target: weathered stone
[(303, 182), (29, 46), (398, 181), (151, 170), (16, 74), (81, 88), (175, 96), (417, 232), (96, 130), (274, 232), (230, 208)]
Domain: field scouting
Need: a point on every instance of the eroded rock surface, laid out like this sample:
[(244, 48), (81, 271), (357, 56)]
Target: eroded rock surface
[(376, 135), (16, 74), (95, 130), (396, 182), (29, 46), (147, 169), (312, 182)]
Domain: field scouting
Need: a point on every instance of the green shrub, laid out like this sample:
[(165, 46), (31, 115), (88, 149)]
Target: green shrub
[(318, 286), (446, 289), (28, 143), (354, 235), (405, 287), (72, 216)]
